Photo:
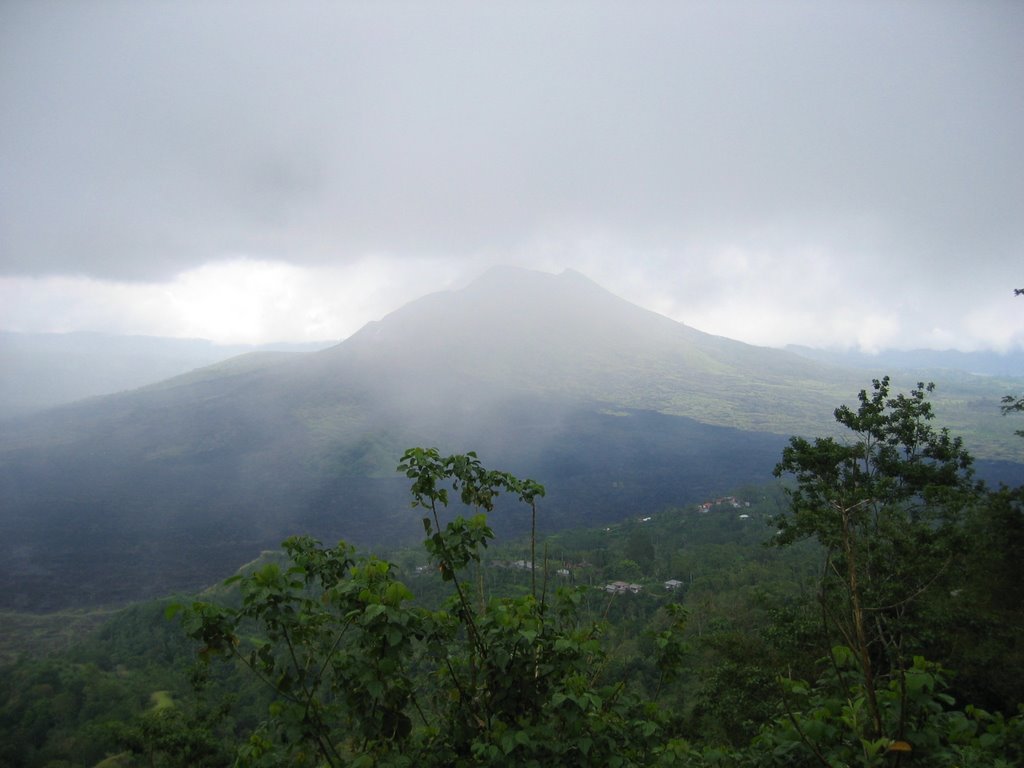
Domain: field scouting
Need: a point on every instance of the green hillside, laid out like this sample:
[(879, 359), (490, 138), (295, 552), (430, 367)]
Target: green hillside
[(716, 654)]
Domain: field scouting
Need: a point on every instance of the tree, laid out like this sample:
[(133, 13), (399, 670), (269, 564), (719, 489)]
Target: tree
[(885, 508), (1012, 404), (363, 677)]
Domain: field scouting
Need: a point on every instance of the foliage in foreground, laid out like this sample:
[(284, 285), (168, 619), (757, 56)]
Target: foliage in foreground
[(364, 677)]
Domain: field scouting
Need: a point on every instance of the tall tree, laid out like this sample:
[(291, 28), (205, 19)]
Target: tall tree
[(884, 504)]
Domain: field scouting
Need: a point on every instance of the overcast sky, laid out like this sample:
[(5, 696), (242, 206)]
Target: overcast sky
[(824, 173)]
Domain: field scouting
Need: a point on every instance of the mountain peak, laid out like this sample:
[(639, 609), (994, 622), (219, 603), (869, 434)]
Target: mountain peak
[(561, 296), (539, 331), (521, 277)]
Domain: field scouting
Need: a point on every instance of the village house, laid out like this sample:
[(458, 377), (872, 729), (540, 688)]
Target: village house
[(730, 501), (622, 587)]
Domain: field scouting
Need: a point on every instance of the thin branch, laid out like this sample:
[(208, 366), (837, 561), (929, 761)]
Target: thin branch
[(905, 601), (467, 608), (800, 731)]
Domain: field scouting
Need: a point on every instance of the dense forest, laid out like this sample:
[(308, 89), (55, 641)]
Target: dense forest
[(865, 611)]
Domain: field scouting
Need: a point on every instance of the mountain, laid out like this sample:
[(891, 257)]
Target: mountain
[(531, 332), (617, 410)]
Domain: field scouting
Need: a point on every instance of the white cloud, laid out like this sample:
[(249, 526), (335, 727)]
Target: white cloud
[(820, 173), (998, 325), (239, 301), (758, 297)]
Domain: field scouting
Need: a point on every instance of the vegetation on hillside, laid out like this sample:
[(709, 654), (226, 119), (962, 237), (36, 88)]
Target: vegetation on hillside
[(674, 639)]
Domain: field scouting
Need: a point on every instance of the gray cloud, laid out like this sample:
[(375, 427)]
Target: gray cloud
[(143, 139)]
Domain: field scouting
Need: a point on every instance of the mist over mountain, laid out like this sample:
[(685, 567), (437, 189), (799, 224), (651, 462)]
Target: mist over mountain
[(617, 410), (42, 370), (978, 363)]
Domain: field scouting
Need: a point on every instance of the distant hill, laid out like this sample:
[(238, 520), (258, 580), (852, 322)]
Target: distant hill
[(978, 363), (617, 410), (42, 370)]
